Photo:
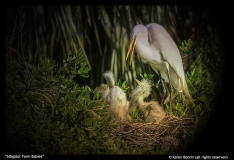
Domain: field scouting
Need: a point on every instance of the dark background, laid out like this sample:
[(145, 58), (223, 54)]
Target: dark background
[(214, 138)]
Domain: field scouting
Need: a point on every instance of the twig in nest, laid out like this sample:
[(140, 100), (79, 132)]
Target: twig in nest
[(169, 131)]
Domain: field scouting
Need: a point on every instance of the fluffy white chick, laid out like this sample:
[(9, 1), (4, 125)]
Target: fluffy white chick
[(152, 111), (116, 98)]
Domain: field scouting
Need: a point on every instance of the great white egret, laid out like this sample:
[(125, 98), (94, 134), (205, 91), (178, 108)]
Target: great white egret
[(115, 97), (152, 111), (156, 47)]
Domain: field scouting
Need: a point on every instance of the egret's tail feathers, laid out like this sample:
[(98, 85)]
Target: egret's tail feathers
[(109, 76), (187, 94)]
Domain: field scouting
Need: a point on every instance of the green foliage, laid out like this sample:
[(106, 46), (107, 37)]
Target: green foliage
[(203, 78), (124, 85), (74, 61), (147, 76), (48, 113), (186, 47), (136, 114)]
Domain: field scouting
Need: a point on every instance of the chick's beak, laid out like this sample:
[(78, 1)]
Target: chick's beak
[(131, 48), (138, 82)]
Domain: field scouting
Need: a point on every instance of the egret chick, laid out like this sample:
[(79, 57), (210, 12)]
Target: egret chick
[(118, 104), (117, 100), (152, 111)]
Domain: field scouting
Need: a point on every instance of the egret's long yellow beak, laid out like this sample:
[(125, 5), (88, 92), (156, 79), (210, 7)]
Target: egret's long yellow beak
[(138, 82), (131, 49)]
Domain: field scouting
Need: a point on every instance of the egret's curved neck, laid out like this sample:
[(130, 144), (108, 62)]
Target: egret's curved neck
[(146, 50), (141, 100)]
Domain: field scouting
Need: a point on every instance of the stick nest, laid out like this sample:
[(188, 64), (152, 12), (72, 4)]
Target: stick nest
[(168, 134)]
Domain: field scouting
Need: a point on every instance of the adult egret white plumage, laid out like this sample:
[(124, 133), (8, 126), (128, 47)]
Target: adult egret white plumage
[(156, 47), (115, 97), (152, 111)]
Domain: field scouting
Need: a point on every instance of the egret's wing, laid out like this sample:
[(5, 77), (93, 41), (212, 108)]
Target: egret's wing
[(170, 52)]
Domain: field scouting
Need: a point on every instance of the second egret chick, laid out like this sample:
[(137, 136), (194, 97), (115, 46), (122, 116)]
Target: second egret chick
[(117, 100), (152, 111)]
